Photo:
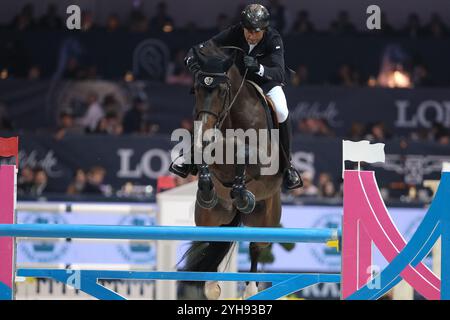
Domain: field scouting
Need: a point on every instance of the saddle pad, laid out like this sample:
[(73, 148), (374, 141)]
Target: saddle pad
[(271, 116)]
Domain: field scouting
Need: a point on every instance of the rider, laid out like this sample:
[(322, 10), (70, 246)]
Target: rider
[(265, 64)]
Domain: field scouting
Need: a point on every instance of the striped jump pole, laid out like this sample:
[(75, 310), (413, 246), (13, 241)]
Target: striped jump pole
[(170, 233)]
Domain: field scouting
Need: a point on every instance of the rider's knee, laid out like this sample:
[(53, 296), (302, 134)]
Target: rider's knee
[(278, 97)]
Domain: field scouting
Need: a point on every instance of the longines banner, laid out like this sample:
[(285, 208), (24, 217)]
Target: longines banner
[(141, 160), (35, 105)]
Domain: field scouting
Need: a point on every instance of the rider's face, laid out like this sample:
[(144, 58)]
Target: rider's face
[(252, 36)]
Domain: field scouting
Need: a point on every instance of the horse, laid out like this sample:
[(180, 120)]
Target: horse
[(229, 194)]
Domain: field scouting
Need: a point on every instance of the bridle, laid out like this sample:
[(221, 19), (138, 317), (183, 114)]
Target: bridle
[(220, 77)]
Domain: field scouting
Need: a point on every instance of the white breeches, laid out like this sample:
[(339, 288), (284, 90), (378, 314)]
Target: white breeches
[(279, 100)]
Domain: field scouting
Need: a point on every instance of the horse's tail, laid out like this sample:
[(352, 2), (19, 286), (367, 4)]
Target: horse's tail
[(206, 256)]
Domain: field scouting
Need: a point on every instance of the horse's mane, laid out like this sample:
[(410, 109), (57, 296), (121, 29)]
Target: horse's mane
[(212, 58), (210, 49)]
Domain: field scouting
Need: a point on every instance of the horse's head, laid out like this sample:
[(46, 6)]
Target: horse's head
[(212, 85)]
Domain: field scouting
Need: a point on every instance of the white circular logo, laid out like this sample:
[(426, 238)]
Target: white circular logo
[(208, 80)]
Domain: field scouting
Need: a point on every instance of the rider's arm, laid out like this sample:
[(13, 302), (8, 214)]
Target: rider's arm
[(273, 66)]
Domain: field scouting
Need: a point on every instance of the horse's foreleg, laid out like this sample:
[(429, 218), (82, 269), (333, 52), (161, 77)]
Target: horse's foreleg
[(244, 200), (206, 195), (251, 287)]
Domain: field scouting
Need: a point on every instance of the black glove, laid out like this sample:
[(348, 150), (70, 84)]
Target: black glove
[(251, 64), (192, 65)]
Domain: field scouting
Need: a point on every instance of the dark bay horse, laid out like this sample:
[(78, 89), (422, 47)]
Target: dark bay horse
[(229, 194)]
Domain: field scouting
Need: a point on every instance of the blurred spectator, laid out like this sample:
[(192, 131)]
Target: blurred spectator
[(301, 76), (357, 131), (346, 76), (439, 133), (398, 78), (161, 21), (149, 127), (423, 134), (90, 73), (34, 73), (137, 21), (111, 104), (40, 182), (73, 70), (93, 113), (421, 76), (394, 68), (78, 184), (222, 22), (177, 72), (308, 189), (5, 122), (436, 27), (113, 23), (66, 124), (413, 28), (134, 118), (14, 58), (110, 124), (326, 186), (51, 20), (377, 133), (444, 140), (342, 25), (314, 127), (87, 21), (95, 178), (302, 24), (25, 181), (277, 15), (25, 19)]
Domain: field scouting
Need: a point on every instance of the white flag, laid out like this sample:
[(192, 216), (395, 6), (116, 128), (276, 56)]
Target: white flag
[(362, 151)]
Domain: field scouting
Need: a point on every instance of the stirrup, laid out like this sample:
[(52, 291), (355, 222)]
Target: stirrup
[(182, 170), (294, 183)]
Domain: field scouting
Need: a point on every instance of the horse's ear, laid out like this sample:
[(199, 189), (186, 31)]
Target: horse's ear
[(199, 56)]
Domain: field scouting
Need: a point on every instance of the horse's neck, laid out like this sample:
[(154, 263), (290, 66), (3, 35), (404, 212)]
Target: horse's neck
[(236, 80), (246, 101)]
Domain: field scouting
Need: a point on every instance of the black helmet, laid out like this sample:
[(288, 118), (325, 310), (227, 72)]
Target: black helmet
[(255, 17)]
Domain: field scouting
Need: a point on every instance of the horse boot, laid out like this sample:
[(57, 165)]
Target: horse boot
[(243, 199), (184, 169), (291, 177)]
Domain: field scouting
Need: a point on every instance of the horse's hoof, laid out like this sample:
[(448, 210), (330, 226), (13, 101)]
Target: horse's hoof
[(207, 204), (212, 290), (249, 200), (250, 290)]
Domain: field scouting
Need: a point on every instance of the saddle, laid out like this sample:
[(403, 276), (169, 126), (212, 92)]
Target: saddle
[(269, 107), (271, 115)]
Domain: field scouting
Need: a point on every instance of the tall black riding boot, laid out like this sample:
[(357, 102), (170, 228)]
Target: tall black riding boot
[(184, 169), (291, 177)]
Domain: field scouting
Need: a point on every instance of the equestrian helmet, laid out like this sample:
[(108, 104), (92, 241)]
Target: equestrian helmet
[(255, 17)]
